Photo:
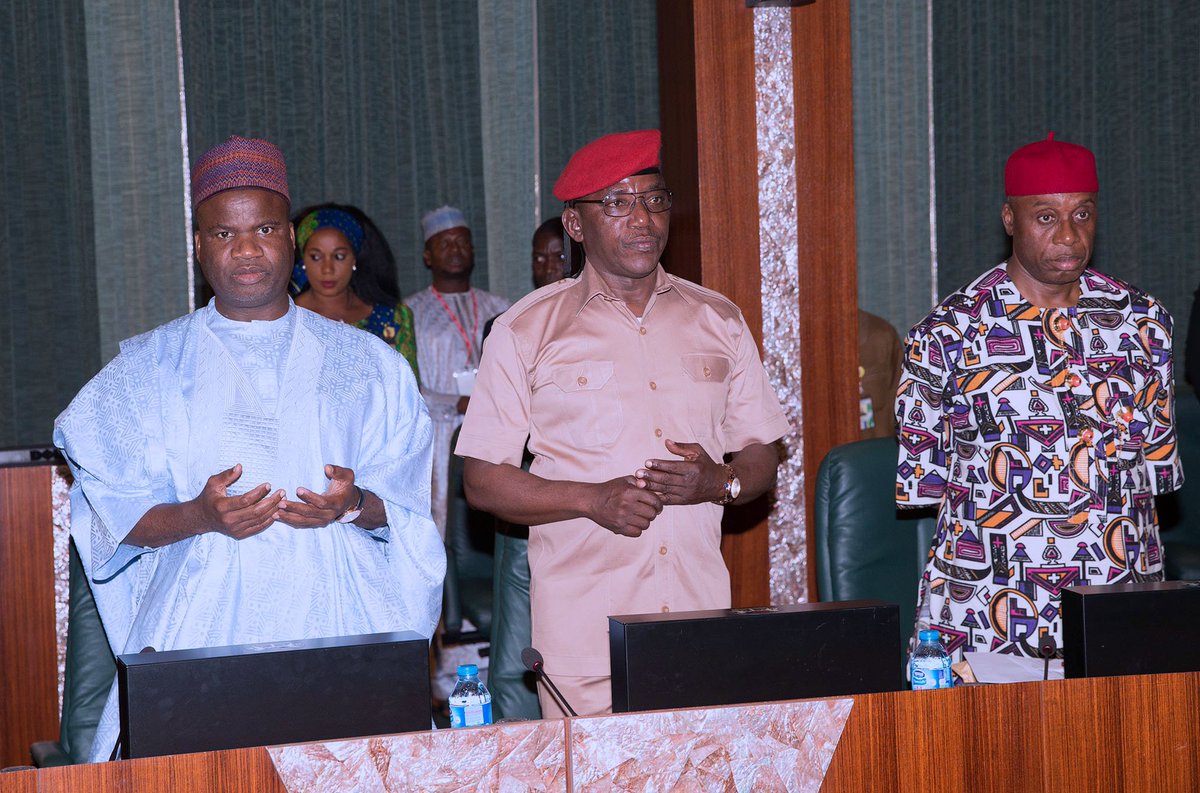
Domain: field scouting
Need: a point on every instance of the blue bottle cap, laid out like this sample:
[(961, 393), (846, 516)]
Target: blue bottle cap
[(925, 636), (467, 670)]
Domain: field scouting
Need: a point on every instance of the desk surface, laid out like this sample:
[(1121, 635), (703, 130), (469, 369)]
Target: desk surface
[(1118, 733)]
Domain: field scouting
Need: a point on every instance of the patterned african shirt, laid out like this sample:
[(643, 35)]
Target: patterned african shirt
[(394, 324), (1043, 436)]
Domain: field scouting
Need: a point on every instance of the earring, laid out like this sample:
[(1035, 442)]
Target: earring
[(354, 268)]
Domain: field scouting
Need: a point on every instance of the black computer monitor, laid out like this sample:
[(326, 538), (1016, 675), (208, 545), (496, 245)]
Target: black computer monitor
[(728, 656), (1131, 629), (275, 692)]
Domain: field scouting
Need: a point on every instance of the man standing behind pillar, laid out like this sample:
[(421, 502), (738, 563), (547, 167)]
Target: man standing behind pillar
[(1036, 410), (449, 318), (632, 387)]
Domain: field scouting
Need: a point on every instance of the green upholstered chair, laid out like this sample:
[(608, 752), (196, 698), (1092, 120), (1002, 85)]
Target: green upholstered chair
[(90, 672), (513, 687), (865, 547), (470, 543), (1179, 512)]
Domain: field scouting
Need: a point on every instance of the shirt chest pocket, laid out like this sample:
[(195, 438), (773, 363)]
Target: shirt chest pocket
[(708, 377), (589, 401)]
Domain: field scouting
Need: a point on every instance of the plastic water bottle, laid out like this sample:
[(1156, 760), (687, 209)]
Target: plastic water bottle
[(470, 702), (930, 666)]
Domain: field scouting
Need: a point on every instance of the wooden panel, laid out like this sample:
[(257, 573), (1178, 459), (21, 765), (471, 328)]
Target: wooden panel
[(29, 685), (710, 156), (1123, 733), (247, 770), (825, 232)]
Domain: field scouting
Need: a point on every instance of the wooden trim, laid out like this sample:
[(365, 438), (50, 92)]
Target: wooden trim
[(710, 157), (826, 236), (28, 644)]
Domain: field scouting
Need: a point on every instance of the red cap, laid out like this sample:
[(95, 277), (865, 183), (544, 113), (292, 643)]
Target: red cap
[(606, 161), (1050, 166)]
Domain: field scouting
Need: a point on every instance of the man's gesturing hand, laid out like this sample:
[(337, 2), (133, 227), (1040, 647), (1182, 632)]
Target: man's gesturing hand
[(693, 480), (241, 516), (314, 510), (624, 506)]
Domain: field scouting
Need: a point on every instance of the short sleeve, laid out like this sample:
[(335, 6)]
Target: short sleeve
[(922, 398), (496, 425), (753, 413), (1157, 400)]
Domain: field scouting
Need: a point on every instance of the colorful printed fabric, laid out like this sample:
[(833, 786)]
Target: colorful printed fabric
[(1043, 435), (239, 162), (332, 219), (394, 324)]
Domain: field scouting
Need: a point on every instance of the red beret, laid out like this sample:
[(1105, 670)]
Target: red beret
[(606, 161), (1050, 166)]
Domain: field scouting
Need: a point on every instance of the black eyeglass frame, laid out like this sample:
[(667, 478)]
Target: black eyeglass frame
[(637, 196)]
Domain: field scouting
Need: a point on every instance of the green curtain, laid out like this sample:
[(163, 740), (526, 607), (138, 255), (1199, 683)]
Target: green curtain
[(1119, 77), (91, 214), (375, 104), (892, 150), (598, 73)]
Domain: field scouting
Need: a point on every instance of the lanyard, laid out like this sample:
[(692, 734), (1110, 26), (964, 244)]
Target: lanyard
[(461, 330)]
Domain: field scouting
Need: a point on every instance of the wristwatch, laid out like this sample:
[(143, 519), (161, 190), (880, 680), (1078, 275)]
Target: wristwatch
[(350, 515), (733, 486)]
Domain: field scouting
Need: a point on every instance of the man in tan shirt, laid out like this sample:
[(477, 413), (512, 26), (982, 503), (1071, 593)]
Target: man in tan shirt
[(632, 387)]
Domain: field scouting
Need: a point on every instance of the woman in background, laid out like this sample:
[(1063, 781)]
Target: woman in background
[(346, 272)]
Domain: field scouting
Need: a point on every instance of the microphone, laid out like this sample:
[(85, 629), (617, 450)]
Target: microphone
[(534, 663), (1047, 648)]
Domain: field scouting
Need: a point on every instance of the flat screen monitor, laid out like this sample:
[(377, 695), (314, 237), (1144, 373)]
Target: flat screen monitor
[(1131, 629), (271, 693), (728, 656)]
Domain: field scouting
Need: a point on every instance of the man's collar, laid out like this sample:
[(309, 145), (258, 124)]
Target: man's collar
[(592, 285)]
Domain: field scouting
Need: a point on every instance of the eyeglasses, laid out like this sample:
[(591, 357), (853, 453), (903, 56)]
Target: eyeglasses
[(619, 205)]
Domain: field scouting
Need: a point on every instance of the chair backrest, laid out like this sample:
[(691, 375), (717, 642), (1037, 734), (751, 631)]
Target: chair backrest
[(90, 667), (866, 548), (1179, 512)]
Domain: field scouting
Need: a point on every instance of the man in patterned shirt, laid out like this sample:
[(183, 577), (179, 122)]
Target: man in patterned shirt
[(1036, 410)]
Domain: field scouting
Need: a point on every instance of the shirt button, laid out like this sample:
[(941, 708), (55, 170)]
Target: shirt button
[(665, 609), (707, 372), (657, 433), (1061, 324), (653, 386), (1074, 380), (582, 380), (1126, 414), (662, 550), (1086, 435), (642, 331)]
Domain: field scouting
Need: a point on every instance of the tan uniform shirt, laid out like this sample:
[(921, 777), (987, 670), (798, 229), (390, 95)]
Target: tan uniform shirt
[(598, 393)]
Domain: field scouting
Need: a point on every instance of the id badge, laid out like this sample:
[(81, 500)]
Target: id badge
[(866, 414), (464, 381)]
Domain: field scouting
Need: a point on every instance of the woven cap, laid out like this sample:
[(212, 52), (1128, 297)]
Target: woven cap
[(239, 162), (606, 161), (435, 221), (1050, 166)]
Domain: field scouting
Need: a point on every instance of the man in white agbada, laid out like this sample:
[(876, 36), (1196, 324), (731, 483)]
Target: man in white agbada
[(251, 472), (449, 318)]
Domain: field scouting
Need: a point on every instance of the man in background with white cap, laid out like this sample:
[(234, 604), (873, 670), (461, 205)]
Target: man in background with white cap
[(1036, 411), (633, 388), (449, 318)]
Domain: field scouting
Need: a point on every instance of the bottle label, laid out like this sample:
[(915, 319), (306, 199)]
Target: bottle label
[(931, 672), (470, 710)]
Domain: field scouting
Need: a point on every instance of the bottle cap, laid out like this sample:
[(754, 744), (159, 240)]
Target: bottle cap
[(467, 670), (925, 636)]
